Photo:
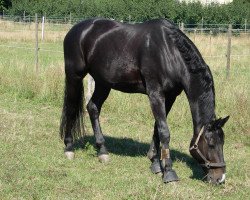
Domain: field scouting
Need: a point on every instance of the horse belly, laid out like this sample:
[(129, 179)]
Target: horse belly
[(129, 88), (121, 76), (128, 80)]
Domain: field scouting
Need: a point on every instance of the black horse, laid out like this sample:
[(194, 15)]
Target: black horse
[(154, 58)]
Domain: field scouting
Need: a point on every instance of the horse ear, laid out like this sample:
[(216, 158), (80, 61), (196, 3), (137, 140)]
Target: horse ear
[(219, 123)]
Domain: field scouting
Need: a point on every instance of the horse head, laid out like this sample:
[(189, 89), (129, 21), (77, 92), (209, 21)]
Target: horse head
[(207, 149)]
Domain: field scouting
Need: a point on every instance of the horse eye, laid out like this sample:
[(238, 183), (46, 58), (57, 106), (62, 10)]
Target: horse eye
[(211, 142), (211, 145)]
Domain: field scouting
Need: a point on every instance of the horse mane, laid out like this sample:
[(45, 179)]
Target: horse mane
[(199, 71), (190, 55), (193, 59)]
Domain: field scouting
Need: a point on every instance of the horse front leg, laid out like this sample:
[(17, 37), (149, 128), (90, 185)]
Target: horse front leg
[(157, 102), (94, 108), (153, 153)]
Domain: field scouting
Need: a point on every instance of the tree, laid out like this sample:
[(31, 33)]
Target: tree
[(137, 10), (239, 11), (5, 4)]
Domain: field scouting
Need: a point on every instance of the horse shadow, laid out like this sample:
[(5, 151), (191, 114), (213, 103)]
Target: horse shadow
[(129, 147)]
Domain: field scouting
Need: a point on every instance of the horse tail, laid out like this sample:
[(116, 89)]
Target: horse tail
[(72, 119)]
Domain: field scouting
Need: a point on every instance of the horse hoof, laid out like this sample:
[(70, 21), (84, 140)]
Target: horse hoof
[(155, 167), (69, 154), (170, 176), (103, 158)]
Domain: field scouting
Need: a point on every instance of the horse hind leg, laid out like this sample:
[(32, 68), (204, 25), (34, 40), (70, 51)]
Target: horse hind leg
[(153, 153), (94, 108)]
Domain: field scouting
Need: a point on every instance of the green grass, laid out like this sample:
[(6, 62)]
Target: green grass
[(32, 163)]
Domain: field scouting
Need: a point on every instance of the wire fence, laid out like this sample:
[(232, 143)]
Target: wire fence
[(68, 19), (207, 35), (60, 26)]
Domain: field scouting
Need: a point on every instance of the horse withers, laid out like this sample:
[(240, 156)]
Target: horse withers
[(153, 58)]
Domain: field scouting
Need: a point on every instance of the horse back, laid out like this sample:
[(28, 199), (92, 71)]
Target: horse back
[(125, 56)]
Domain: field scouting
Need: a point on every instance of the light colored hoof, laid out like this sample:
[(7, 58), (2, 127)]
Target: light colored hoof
[(69, 154), (160, 174), (103, 158)]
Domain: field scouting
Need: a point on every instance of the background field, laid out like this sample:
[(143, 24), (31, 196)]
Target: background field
[(32, 162)]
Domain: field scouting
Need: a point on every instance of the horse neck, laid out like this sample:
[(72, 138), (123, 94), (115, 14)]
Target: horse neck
[(201, 98), (197, 81)]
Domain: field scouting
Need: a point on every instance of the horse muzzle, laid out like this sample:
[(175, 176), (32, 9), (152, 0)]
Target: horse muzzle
[(216, 180)]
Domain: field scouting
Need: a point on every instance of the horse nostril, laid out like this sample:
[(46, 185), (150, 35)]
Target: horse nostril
[(209, 179)]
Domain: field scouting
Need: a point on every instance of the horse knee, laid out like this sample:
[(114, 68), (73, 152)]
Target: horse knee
[(92, 109), (164, 136), (163, 131)]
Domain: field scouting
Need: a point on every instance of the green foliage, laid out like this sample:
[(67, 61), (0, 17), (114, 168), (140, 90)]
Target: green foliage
[(136, 10), (4, 4), (239, 10), (1, 4)]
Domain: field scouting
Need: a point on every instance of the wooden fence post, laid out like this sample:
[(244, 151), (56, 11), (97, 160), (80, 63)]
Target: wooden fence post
[(245, 25), (182, 26), (36, 44), (210, 42), (91, 85), (202, 22), (194, 35), (43, 22), (229, 35), (24, 16)]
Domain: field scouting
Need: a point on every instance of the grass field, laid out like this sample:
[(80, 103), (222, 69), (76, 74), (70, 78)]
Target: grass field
[(32, 163)]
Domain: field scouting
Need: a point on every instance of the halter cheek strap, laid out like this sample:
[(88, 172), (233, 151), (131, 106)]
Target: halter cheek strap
[(207, 163)]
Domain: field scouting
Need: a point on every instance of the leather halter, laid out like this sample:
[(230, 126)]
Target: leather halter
[(207, 163)]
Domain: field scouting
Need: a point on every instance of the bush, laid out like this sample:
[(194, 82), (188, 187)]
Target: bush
[(190, 13)]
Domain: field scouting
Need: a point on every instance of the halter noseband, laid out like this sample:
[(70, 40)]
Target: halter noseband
[(207, 163)]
